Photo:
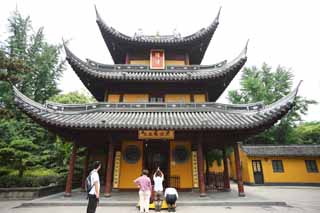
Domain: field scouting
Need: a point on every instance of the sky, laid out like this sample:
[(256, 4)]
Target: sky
[(285, 32)]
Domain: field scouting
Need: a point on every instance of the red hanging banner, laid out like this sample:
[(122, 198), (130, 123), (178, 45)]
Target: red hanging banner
[(157, 59)]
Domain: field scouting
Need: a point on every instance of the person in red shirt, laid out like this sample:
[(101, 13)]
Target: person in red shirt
[(144, 184)]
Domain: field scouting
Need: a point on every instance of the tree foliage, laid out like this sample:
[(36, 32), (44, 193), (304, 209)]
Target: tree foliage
[(19, 154), (308, 133), (72, 98), (263, 84), (30, 63)]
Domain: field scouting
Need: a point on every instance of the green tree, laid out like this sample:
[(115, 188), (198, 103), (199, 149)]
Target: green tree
[(41, 58), (263, 84), (56, 155), (308, 133), (30, 63), (19, 154), (72, 98)]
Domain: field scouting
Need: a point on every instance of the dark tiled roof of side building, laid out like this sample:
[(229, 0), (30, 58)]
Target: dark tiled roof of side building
[(282, 150)]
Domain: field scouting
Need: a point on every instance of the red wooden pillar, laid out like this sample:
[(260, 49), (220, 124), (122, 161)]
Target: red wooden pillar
[(226, 171), (72, 161), (85, 170), (109, 169), (201, 168), (238, 170)]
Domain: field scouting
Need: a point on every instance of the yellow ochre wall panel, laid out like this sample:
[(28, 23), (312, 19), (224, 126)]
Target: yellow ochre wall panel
[(113, 98), (295, 170), (245, 165), (143, 62), (167, 62), (129, 172), (199, 98), (184, 98), (131, 98), (184, 170), (175, 62)]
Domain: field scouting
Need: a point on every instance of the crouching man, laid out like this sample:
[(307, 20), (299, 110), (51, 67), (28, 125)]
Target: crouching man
[(171, 196)]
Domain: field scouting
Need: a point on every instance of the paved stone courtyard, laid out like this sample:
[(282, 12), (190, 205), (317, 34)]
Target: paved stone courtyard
[(258, 199)]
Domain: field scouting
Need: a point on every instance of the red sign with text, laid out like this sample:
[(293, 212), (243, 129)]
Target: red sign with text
[(157, 59)]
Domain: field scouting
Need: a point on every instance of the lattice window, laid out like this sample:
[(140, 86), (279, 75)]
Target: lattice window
[(277, 166), (311, 166)]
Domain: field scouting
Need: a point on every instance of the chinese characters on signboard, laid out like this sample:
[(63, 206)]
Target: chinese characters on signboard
[(157, 59), (156, 134)]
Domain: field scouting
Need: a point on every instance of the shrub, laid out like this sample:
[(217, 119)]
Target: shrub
[(27, 181), (32, 178), (4, 171)]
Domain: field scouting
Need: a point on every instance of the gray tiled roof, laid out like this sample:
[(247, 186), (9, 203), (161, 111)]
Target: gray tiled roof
[(195, 44), (282, 150), (175, 116), (222, 70), (171, 39)]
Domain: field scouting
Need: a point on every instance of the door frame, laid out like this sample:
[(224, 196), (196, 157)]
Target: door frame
[(253, 171), (166, 143)]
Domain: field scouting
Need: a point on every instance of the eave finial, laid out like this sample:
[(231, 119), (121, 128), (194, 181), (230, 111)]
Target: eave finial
[(297, 88), (218, 15), (98, 18), (66, 49), (246, 48)]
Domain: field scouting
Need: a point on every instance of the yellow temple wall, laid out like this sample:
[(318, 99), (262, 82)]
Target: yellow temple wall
[(167, 62), (129, 172), (295, 170), (175, 62), (199, 98), (113, 98), (184, 98), (133, 98), (143, 62), (246, 167), (184, 170)]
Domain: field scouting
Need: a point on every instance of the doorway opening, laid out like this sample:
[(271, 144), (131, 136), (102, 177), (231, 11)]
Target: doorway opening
[(157, 154)]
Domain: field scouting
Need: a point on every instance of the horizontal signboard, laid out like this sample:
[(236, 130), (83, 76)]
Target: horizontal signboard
[(156, 134)]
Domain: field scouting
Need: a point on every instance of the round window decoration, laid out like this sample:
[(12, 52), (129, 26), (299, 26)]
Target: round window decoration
[(131, 154), (180, 154)]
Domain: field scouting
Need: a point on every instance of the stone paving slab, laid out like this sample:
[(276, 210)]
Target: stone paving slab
[(231, 198)]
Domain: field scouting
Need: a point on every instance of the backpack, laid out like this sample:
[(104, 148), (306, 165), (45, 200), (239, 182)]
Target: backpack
[(88, 184)]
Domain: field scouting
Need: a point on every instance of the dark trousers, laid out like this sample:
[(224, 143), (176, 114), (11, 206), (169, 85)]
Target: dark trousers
[(171, 201), (92, 204)]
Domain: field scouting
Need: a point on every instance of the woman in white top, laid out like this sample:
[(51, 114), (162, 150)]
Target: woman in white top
[(158, 178)]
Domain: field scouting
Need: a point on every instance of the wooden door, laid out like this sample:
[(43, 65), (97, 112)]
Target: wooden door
[(257, 172)]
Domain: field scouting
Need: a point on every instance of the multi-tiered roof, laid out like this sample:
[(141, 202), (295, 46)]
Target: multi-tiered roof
[(120, 77)]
